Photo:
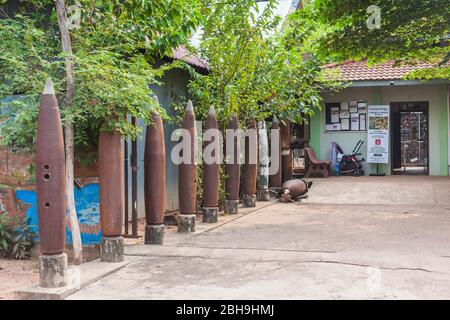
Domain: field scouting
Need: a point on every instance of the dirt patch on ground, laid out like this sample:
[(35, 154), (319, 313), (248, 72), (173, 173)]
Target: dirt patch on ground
[(16, 274)]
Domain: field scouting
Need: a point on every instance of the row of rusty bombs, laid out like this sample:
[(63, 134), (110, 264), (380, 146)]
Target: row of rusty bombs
[(255, 173), (51, 183)]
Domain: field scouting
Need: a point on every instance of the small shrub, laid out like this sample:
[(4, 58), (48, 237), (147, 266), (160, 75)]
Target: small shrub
[(16, 237)]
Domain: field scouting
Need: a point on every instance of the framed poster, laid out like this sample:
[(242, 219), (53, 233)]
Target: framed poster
[(378, 134), (362, 122), (345, 124), (355, 121), (334, 115), (353, 106)]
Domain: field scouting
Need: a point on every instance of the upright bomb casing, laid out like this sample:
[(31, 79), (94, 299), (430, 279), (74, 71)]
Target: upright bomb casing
[(262, 181), (50, 175), (250, 166), (111, 181), (232, 171), (155, 171), (275, 179), (187, 183), (211, 174), (211, 171), (154, 180)]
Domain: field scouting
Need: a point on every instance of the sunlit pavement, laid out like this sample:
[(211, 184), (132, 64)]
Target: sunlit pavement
[(353, 238)]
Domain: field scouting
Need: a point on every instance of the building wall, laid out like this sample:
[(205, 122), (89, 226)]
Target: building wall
[(436, 95), (175, 86)]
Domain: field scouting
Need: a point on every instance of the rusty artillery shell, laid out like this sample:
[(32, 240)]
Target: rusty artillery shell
[(294, 188), (187, 183), (275, 179), (211, 170), (50, 175), (111, 181), (155, 171), (232, 167), (286, 161), (250, 166)]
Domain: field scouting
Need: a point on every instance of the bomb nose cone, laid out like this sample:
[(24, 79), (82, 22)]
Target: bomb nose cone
[(190, 106), (212, 112), (275, 119), (49, 89)]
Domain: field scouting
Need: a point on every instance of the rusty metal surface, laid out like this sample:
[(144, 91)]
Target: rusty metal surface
[(250, 169), (275, 179), (211, 177), (50, 176), (294, 188), (110, 165), (233, 169), (187, 184), (155, 171)]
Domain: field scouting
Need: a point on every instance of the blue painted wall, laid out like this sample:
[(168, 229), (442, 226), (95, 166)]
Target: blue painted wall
[(88, 212)]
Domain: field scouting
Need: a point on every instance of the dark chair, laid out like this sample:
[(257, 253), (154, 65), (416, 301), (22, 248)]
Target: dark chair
[(316, 166)]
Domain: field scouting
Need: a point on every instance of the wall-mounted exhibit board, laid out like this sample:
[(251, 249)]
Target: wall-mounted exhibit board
[(346, 116)]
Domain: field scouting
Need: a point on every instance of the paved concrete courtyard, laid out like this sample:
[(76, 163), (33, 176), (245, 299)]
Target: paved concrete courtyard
[(353, 238)]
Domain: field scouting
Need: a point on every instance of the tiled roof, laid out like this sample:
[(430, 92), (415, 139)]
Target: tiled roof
[(181, 53), (360, 71)]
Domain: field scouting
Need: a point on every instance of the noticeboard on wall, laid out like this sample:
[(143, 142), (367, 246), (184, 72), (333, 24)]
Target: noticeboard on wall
[(345, 116)]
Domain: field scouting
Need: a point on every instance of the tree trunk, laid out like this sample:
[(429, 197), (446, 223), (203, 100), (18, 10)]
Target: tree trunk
[(69, 131)]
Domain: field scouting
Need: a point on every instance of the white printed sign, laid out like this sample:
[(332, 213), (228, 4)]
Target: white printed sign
[(378, 134)]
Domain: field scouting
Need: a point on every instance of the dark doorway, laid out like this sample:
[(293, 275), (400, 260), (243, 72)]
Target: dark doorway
[(409, 133)]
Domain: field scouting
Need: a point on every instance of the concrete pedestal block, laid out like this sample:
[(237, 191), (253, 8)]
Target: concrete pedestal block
[(263, 195), (111, 249), (154, 234), (53, 271), (186, 223), (210, 215), (231, 206), (249, 200)]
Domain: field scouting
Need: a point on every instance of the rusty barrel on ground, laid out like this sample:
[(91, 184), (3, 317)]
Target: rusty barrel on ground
[(211, 167), (50, 175), (275, 151), (232, 168), (187, 184), (250, 166), (154, 180), (112, 204)]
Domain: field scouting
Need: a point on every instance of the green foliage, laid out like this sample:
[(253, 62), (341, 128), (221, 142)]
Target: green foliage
[(410, 30), (257, 68), (114, 52), (15, 237)]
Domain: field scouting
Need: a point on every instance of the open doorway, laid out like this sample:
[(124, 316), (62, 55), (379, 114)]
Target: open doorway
[(410, 138)]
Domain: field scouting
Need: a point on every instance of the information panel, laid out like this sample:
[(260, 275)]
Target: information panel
[(378, 134)]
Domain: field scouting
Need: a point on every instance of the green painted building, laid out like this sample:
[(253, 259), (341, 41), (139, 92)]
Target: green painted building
[(418, 120)]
